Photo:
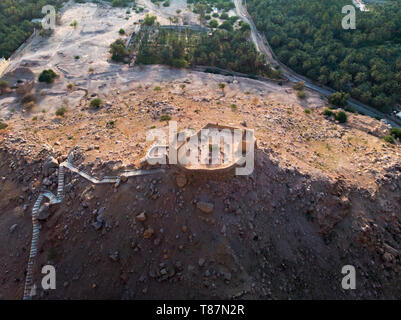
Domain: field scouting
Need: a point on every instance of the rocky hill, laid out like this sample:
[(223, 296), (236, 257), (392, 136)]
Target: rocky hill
[(322, 195)]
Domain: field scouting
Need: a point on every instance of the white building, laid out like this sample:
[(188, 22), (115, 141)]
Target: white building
[(398, 115)]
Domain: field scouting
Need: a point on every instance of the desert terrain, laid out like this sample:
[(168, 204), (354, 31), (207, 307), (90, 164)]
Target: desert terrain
[(322, 195)]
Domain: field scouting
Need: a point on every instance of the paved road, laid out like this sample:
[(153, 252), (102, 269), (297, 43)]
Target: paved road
[(263, 46)]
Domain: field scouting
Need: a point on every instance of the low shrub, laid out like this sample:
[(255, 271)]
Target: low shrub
[(299, 86), (165, 117), (389, 139), (47, 76), (327, 112), (396, 132), (301, 95), (28, 98), (60, 112), (96, 103), (341, 116), (4, 84)]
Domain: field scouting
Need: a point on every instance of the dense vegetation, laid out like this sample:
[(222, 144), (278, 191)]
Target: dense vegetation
[(120, 3), (96, 103), (223, 49), (15, 21), (208, 4), (118, 51), (396, 132), (308, 37), (205, 8), (47, 76)]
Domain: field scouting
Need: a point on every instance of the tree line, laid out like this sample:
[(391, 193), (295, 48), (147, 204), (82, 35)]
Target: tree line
[(222, 48), (15, 22)]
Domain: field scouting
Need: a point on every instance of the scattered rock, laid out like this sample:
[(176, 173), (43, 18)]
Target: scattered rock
[(227, 276), (205, 207), (44, 211), (148, 233), (13, 227), (47, 182), (97, 225), (50, 166), (100, 218), (115, 256), (141, 217), (201, 262), (388, 257), (181, 181)]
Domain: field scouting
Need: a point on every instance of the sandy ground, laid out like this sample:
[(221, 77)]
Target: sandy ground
[(97, 28)]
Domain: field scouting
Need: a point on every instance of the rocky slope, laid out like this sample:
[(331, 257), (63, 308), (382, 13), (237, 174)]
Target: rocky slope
[(322, 195)]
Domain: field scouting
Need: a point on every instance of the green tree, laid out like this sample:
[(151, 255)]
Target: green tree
[(339, 99), (149, 20), (118, 50), (213, 23), (341, 116), (47, 76), (96, 103)]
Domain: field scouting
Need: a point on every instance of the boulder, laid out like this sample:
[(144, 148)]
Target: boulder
[(97, 225), (205, 207), (201, 262), (181, 181), (141, 217), (148, 233), (44, 211), (51, 164), (13, 227)]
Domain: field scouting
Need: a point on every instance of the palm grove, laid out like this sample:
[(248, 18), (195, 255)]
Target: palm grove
[(308, 37), (224, 49)]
